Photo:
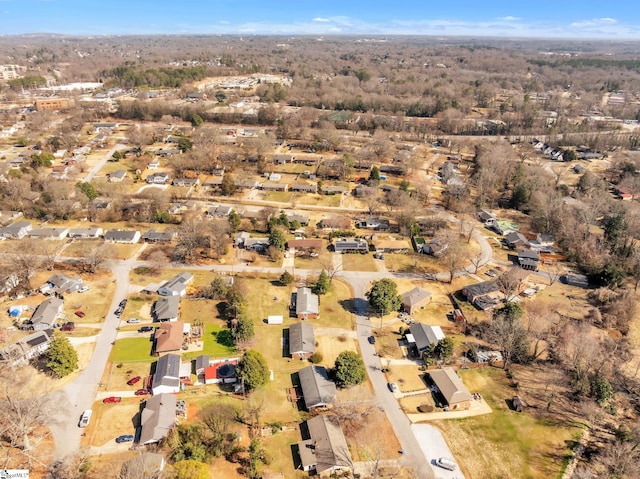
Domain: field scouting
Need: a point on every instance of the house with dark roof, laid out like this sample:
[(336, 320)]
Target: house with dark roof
[(422, 336), (49, 233), (158, 418), (166, 309), (487, 218), (27, 348), (153, 236), (45, 315), (122, 236), (117, 176), (415, 299), (303, 220), (307, 305), (166, 378), (450, 387), (435, 248), (256, 244), (302, 340), (303, 188), (351, 245), (324, 450), (485, 295), (168, 337), (176, 286), (200, 364), (60, 283), (516, 240), (317, 389), (528, 259)]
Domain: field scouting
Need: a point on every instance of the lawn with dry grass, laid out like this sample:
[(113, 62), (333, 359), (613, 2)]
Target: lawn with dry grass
[(505, 443), (408, 377), (112, 420), (358, 262)]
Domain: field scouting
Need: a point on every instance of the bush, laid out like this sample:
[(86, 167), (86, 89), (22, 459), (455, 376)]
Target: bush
[(316, 358), (286, 278)]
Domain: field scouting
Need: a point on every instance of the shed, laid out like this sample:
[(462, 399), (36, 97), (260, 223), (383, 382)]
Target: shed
[(275, 320)]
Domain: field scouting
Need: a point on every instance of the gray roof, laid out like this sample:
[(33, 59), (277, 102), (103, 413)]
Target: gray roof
[(85, 232), (317, 390), (350, 244), (202, 362), (327, 447), (153, 235), (450, 385), (158, 418), (46, 312), (415, 296), (178, 283), (301, 338), (306, 302), (48, 232), (61, 283), (425, 335), (166, 308), (120, 235), (480, 289), (167, 371)]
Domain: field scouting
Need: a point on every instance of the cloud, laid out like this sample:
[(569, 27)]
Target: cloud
[(509, 18), (321, 19), (594, 22)]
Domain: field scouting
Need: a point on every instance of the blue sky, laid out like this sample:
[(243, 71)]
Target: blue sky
[(524, 18)]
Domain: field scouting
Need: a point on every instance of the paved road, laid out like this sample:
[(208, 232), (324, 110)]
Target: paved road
[(103, 160), (81, 393), (413, 454)]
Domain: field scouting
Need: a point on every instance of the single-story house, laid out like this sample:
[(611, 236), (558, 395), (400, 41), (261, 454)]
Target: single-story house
[(117, 176), (303, 188), (451, 388), (157, 179), (351, 245), (374, 223), (153, 165), (17, 230), (305, 244), (256, 244), (423, 336), (415, 299), (176, 286), (307, 304), (303, 220), (487, 218), (273, 186), (335, 190), (302, 340), (218, 211), (166, 309), (572, 279), (336, 223), (49, 233), (153, 236), (168, 337), (85, 232), (435, 248), (528, 259), (390, 245), (516, 240), (239, 238), (324, 450), (317, 389), (122, 236), (166, 378), (186, 182), (484, 295), (27, 348), (245, 183), (45, 315), (158, 418), (61, 283), (221, 371)]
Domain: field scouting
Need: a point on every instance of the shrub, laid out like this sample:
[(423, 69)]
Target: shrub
[(316, 358)]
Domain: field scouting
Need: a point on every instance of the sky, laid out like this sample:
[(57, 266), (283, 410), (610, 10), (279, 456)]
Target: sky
[(513, 18)]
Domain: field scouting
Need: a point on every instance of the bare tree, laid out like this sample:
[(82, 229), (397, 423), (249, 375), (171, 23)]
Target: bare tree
[(94, 255), (476, 261), (75, 466), (510, 282)]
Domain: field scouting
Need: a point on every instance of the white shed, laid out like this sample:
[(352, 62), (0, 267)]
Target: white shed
[(275, 320)]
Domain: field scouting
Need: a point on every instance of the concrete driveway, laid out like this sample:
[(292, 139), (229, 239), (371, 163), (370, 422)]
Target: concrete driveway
[(434, 446)]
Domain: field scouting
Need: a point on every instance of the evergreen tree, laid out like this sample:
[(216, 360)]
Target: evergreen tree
[(322, 284), (383, 296), (277, 239), (253, 369), (242, 329), (62, 359), (350, 369)]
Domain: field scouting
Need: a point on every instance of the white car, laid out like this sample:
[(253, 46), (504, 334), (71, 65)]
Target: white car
[(85, 418), (133, 321), (83, 289)]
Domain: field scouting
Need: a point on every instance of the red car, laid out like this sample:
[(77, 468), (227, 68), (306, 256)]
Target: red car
[(142, 392), (133, 380), (111, 399), (80, 313)]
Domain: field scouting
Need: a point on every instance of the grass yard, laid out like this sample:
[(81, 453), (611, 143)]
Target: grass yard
[(278, 196), (317, 199), (358, 262), (408, 378), (218, 343), (112, 420), (279, 448), (505, 443), (131, 350), (331, 346), (115, 378), (410, 403)]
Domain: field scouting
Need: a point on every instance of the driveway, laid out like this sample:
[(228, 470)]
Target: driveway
[(434, 446), (102, 161)]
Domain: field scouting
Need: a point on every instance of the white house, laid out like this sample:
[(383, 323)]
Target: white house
[(176, 286)]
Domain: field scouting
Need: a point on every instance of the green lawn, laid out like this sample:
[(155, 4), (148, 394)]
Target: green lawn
[(218, 343), (132, 350)]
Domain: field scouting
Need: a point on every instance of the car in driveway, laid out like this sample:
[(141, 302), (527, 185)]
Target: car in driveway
[(85, 418), (142, 392), (124, 438), (112, 399), (83, 289), (118, 312), (68, 326), (134, 380), (446, 463), (145, 329), (393, 387), (371, 339), (492, 273), (133, 321), (123, 303)]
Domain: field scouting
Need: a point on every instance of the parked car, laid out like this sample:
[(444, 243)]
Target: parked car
[(372, 340), (145, 329), (133, 321), (123, 303), (133, 380), (142, 392), (446, 463), (124, 438), (85, 418), (83, 289), (68, 326), (79, 313), (314, 255), (491, 272), (118, 312), (393, 387), (112, 399)]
